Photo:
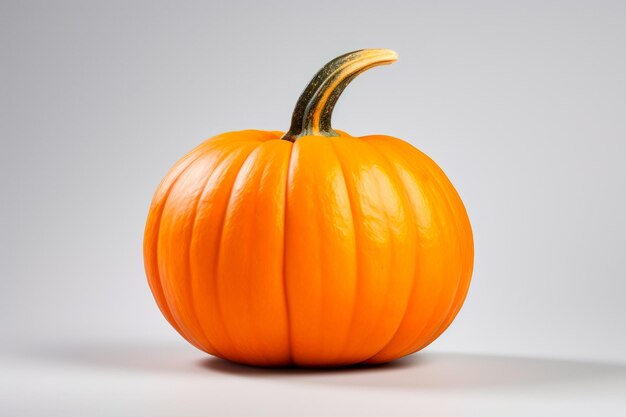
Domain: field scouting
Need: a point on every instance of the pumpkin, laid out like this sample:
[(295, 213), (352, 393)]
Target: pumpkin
[(309, 248)]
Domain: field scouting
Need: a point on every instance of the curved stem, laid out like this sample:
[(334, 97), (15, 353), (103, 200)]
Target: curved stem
[(314, 108)]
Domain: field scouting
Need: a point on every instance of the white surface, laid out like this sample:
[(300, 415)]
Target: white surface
[(120, 381)]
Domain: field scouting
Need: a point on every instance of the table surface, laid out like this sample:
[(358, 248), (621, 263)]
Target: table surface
[(117, 380)]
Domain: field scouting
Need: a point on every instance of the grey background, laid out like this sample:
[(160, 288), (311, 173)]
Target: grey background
[(521, 103)]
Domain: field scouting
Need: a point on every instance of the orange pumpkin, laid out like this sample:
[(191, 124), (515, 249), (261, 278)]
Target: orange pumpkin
[(309, 248)]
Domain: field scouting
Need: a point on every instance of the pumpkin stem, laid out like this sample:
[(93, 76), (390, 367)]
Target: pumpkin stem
[(314, 108)]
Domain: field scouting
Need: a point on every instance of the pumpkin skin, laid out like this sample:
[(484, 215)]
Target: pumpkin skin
[(319, 251)]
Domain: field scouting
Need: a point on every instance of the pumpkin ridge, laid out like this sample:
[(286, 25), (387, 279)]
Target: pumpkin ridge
[(413, 346), (189, 159), (233, 153), (284, 277), (253, 211), (159, 281), (413, 216), (385, 306), (444, 197), (462, 286), (453, 303), (194, 315), (342, 352), (219, 247), (155, 283), (192, 304), (434, 198), (202, 151), (469, 245)]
